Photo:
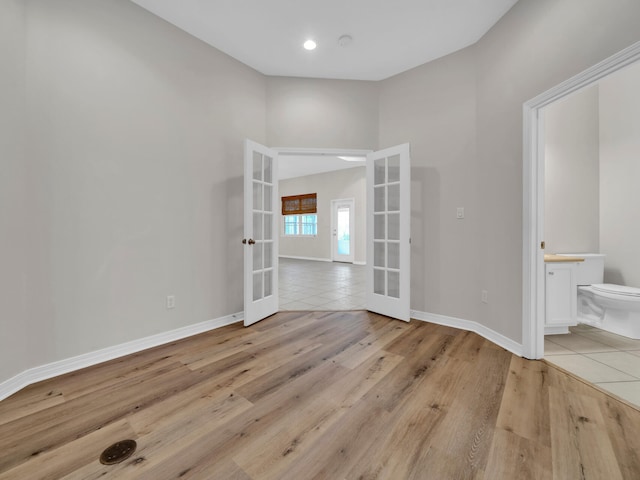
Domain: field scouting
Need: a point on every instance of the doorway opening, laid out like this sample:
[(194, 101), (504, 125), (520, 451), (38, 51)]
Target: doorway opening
[(342, 230), (534, 278), (325, 270), (388, 266)]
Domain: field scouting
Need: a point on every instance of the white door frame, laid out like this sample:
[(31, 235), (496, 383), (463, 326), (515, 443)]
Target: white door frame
[(533, 294), (334, 225)]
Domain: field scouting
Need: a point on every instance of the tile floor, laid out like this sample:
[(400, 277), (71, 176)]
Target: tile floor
[(610, 361), (309, 285)]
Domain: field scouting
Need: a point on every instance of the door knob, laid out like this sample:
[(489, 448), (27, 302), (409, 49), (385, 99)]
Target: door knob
[(252, 241)]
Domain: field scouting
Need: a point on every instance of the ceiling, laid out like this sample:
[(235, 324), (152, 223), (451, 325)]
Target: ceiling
[(389, 37), (291, 166)]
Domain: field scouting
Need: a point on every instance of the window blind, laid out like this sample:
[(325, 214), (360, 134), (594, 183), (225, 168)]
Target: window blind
[(299, 204)]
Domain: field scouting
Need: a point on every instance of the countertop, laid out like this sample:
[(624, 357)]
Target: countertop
[(552, 258)]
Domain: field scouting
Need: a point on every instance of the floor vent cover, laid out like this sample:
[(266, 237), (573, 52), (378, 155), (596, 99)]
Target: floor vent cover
[(118, 452)]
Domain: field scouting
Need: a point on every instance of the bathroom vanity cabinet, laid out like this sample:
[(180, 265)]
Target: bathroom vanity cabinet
[(561, 296)]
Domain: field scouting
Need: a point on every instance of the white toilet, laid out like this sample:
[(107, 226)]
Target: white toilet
[(614, 308)]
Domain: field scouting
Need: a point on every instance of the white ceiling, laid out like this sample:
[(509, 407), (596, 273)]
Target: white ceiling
[(291, 166), (389, 37)]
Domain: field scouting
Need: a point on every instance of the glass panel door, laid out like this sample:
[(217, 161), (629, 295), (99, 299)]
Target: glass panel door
[(388, 230), (260, 240), (342, 224)]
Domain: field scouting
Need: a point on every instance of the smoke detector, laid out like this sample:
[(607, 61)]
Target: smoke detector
[(345, 40)]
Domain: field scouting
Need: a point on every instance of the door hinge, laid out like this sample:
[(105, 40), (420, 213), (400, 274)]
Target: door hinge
[(542, 245)]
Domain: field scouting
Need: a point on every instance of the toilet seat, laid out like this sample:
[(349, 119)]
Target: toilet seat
[(617, 289)]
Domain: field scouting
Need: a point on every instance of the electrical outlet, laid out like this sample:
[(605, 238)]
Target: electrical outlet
[(460, 213), (171, 301), (485, 296)]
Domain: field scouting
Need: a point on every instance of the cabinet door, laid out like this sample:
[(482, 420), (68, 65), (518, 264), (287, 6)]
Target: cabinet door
[(561, 301)]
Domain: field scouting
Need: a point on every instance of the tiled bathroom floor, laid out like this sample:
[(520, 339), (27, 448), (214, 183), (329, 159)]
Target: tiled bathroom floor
[(608, 360), (309, 285)]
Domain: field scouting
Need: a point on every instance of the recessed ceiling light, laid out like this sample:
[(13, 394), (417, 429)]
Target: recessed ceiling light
[(309, 45)]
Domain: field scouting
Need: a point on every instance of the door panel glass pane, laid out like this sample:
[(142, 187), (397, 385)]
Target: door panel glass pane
[(343, 233), (257, 226), (393, 255), (379, 171), (393, 284), (257, 166), (257, 286), (268, 206), (379, 254), (394, 226), (257, 196), (379, 282), (379, 199), (268, 166), (268, 283), (379, 224), (393, 200), (268, 255), (393, 169), (268, 226), (257, 256)]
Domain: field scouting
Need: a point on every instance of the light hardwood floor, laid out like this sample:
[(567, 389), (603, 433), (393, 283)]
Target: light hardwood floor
[(321, 395)]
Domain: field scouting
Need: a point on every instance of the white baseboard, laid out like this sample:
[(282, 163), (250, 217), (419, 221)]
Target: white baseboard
[(491, 335), (44, 372), (556, 330), (314, 259), (359, 263)]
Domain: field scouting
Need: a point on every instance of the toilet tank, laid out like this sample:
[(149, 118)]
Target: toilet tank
[(591, 270)]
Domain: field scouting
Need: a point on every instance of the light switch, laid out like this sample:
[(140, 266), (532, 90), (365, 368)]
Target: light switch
[(460, 213)]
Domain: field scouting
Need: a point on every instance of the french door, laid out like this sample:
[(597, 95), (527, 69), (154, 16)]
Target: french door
[(388, 232), (261, 234)]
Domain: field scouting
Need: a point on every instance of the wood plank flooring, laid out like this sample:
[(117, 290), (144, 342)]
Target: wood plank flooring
[(321, 395)]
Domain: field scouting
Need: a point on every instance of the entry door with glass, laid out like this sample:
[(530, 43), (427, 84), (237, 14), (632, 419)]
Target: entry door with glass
[(260, 241), (342, 235), (388, 232)]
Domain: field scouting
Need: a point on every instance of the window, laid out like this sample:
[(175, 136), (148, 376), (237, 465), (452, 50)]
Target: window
[(300, 215), (300, 225)]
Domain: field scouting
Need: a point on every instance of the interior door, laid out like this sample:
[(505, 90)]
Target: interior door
[(388, 232), (260, 241), (342, 223)]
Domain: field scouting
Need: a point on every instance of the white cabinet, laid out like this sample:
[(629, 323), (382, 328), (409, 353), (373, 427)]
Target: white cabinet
[(561, 297)]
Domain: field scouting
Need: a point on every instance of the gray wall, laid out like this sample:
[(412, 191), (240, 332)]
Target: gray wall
[(134, 174), (620, 176), (304, 112), (477, 161), (536, 45), (349, 183), (135, 134), (433, 107), (14, 214), (572, 174)]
